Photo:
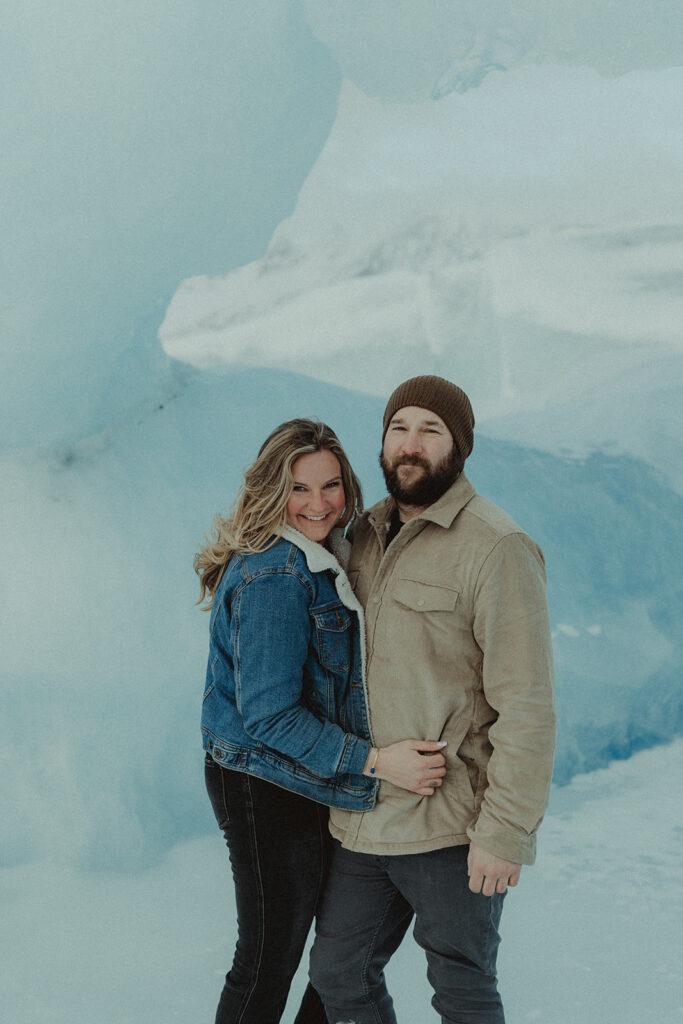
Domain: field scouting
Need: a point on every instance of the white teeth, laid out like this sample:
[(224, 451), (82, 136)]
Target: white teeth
[(316, 519)]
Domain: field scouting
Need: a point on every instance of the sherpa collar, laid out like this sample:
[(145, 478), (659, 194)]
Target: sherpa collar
[(319, 558)]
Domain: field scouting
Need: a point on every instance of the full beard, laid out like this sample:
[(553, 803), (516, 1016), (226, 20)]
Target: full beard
[(429, 487)]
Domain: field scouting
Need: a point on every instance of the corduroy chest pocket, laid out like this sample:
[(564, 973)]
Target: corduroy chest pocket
[(333, 637), (425, 595)]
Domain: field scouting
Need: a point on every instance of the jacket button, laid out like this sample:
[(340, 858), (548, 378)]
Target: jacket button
[(217, 752), (420, 602)]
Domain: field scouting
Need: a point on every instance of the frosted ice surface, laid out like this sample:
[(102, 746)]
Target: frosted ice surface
[(125, 171), (137, 149), (104, 657), (525, 239), (407, 51)]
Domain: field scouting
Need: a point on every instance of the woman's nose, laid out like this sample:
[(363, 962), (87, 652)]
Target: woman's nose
[(317, 502)]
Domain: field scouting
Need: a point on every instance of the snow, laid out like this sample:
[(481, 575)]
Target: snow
[(590, 936)]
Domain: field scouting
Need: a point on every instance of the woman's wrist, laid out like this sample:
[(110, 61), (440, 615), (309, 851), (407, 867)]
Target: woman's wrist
[(372, 762)]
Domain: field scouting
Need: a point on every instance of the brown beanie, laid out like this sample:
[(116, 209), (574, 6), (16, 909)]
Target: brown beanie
[(440, 396)]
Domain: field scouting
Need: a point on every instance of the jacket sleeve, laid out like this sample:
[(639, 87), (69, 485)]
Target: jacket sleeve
[(270, 653), (512, 628)]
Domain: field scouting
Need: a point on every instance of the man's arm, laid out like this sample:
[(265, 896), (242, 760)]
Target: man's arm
[(511, 626)]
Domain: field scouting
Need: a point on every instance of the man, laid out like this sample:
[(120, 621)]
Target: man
[(458, 648)]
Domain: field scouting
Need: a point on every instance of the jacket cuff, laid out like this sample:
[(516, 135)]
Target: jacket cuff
[(514, 846), (354, 755)]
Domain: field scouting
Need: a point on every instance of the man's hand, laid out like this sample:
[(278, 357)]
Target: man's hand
[(488, 873)]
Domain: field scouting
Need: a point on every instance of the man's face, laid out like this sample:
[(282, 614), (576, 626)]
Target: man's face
[(418, 457)]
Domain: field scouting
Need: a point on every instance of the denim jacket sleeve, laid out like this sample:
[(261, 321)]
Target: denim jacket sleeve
[(271, 643)]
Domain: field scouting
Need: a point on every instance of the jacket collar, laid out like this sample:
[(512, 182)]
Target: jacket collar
[(442, 512), (318, 556)]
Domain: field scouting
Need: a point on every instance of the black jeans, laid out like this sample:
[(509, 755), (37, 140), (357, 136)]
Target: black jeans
[(368, 905), (279, 848)]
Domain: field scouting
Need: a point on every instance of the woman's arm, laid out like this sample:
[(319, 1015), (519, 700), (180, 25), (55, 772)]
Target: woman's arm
[(271, 635), (270, 654), (416, 765)]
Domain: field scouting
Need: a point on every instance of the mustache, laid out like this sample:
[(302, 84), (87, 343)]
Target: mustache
[(410, 460)]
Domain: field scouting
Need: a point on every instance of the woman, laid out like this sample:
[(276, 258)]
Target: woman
[(285, 721)]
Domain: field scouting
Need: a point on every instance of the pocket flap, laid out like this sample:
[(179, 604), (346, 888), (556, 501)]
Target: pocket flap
[(336, 620), (424, 596)]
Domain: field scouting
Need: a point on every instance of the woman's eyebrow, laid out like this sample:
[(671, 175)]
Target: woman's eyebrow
[(302, 483)]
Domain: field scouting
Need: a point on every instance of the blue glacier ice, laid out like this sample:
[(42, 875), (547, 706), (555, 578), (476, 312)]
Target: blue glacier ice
[(144, 147), (141, 145), (104, 653), (138, 144)]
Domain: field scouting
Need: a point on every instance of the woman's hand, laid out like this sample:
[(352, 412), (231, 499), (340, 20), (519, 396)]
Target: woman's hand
[(415, 765)]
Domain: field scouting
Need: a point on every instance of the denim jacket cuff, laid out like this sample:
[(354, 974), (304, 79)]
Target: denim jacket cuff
[(354, 755)]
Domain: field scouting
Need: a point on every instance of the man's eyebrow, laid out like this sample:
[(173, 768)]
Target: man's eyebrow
[(423, 423)]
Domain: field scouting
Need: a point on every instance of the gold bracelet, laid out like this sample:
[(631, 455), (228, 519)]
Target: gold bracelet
[(374, 763)]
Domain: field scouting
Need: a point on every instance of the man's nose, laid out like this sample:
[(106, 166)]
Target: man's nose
[(412, 444)]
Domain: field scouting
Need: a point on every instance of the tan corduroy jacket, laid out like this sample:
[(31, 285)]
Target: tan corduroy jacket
[(459, 649)]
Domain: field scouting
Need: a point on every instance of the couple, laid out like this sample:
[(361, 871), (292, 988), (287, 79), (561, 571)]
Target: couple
[(328, 662)]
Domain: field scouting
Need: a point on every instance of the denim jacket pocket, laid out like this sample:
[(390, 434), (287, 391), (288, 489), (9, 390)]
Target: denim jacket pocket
[(333, 637)]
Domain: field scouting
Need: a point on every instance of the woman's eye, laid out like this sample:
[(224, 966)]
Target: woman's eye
[(332, 485)]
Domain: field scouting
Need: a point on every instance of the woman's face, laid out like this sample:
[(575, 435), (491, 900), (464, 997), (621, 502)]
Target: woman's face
[(318, 497)]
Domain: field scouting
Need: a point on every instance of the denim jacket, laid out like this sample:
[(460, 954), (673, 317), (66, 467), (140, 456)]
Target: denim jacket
[(285, 695)]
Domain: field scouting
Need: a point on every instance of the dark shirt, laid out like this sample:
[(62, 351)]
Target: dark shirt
[(394, 527)]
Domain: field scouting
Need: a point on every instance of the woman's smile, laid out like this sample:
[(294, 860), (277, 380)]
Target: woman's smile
[(317, 500)]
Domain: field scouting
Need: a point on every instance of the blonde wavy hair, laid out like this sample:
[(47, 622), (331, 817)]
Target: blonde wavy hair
[(259, 513)]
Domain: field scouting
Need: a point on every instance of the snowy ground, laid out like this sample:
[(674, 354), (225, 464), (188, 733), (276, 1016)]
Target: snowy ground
[(591, 936)]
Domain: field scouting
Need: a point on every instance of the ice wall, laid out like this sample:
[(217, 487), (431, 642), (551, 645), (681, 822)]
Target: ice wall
[(404, 50), (139, 143), (524, 239), (146, 143), (104, 655)]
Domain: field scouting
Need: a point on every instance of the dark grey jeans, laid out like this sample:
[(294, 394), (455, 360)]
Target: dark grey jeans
[(368, 904), (279, 850)]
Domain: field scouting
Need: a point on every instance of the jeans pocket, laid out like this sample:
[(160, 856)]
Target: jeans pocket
[(214, 777)]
